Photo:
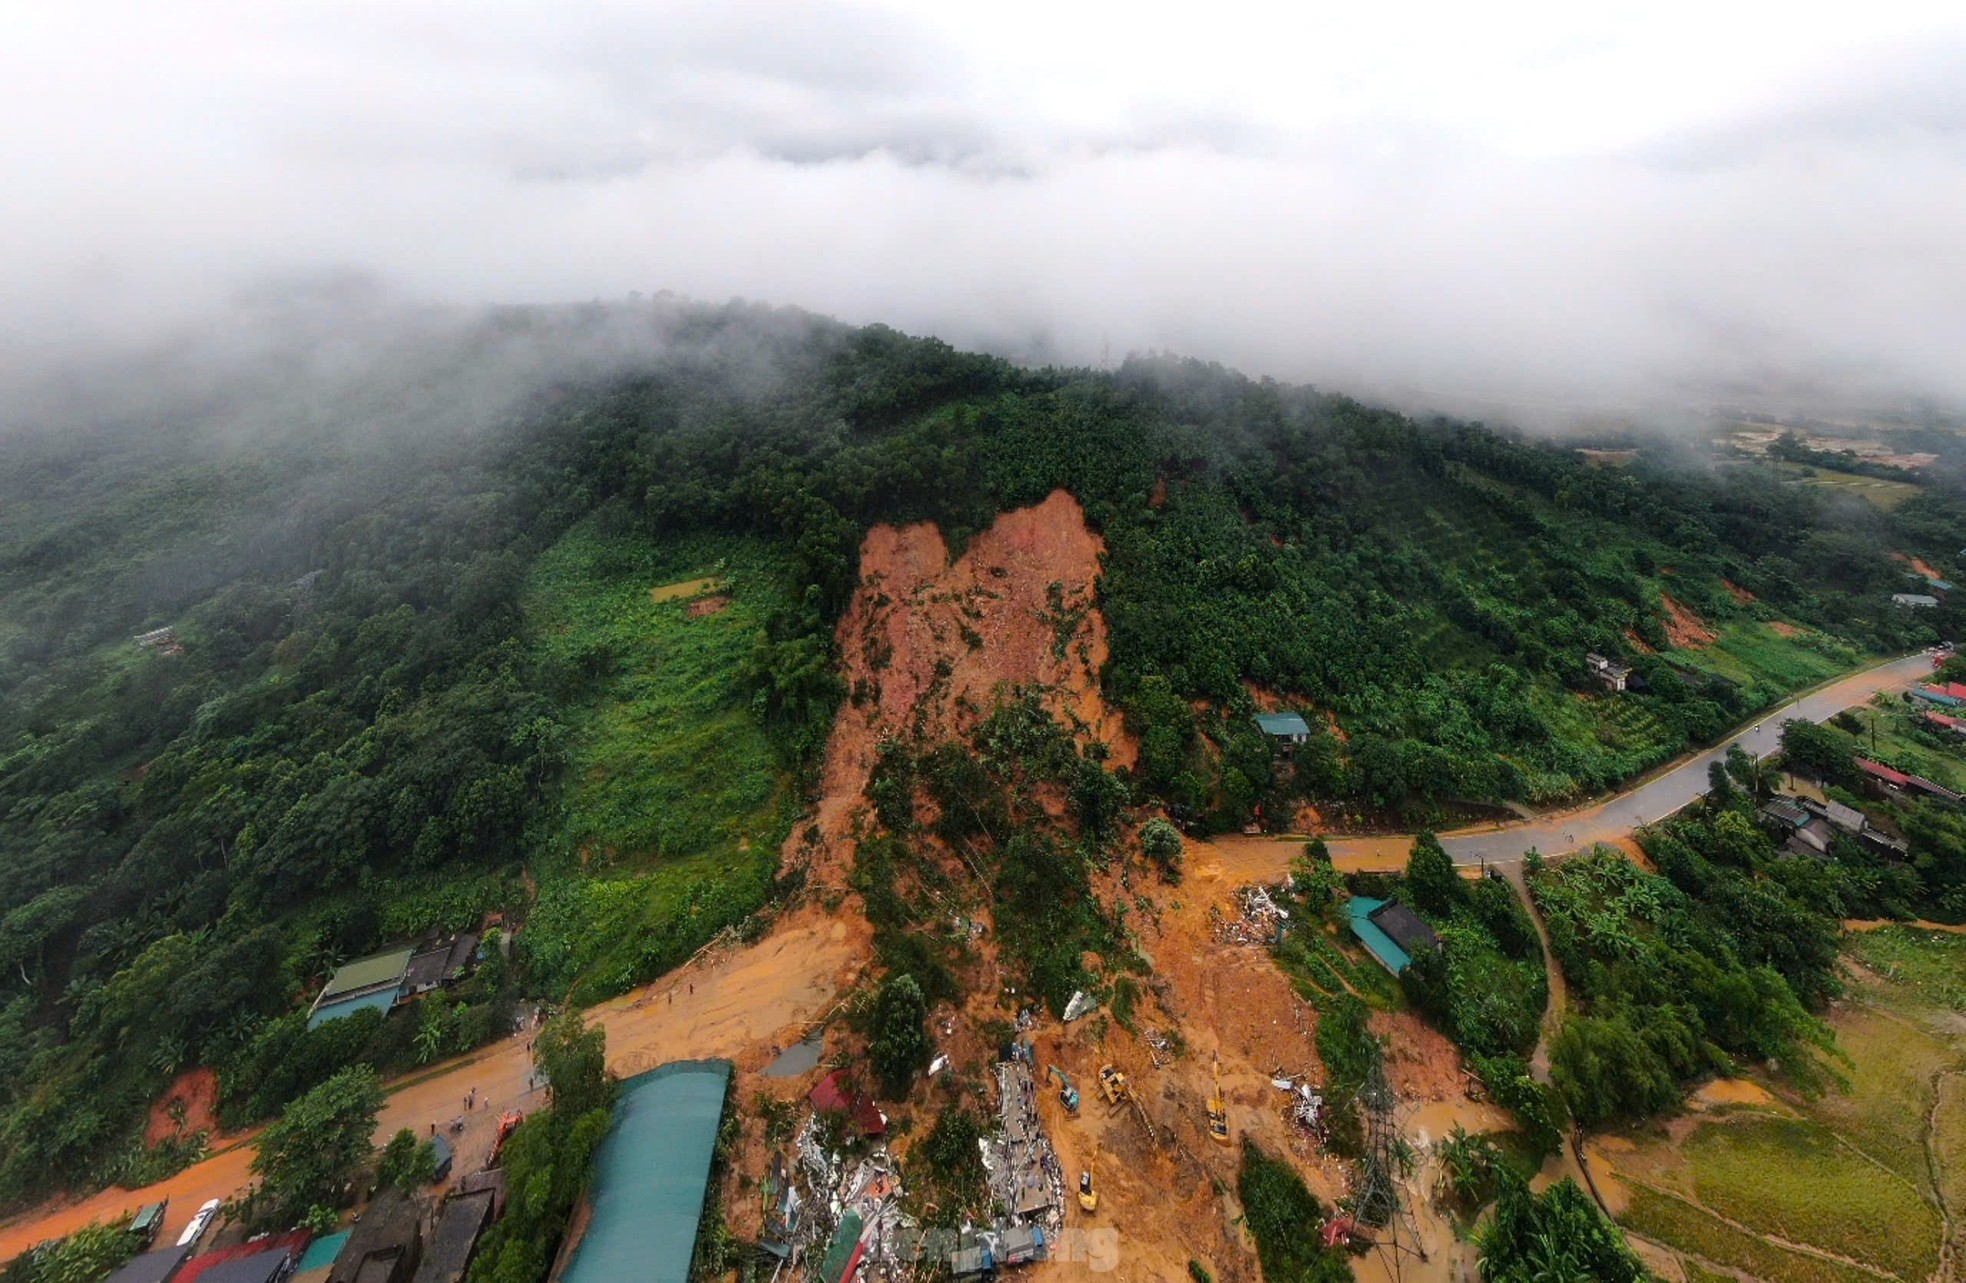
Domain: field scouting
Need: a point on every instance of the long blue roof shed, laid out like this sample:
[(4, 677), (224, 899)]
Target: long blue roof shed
[(651, 1176), (1377, 943)]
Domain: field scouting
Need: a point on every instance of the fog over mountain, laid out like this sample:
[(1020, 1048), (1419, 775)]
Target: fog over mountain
[(1550, 209)]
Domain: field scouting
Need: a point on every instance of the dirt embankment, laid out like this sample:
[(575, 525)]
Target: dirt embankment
[(1920, 565), (1683, 627), (928, 645), (187, 1107)]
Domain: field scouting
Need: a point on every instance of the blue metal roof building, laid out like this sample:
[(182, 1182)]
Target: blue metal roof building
[(1288, 726), (651, 1176)]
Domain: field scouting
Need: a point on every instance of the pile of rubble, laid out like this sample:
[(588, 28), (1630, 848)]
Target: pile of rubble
[(835, 1218), (1261, 919), (1305, 1108)]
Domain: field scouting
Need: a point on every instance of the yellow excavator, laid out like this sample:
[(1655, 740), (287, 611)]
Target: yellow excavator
[(1218, 1116), (1088, 1196), (1112, 1085)]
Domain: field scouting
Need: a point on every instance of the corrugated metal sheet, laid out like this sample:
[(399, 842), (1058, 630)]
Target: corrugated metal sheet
[(651, 1174), (320, 1254), (365, 973), (381, 1001)]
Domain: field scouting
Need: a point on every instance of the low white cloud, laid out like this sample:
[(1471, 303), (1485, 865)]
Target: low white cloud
[(1550, 207)]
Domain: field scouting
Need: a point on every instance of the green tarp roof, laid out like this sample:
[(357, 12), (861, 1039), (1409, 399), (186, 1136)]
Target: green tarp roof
[(839, 1253), (366, 973), (650, 1176), (1283, 724)]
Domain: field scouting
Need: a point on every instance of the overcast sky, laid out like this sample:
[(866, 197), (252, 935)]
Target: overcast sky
[(1552, 204)]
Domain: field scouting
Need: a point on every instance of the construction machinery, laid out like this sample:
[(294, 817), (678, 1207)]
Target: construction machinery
[(1112, 1085), (1088, 1196), (1218, 1116), (507, 1124), (1068, 1095)]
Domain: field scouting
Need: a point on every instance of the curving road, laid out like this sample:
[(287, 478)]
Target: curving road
[(1658, 796)]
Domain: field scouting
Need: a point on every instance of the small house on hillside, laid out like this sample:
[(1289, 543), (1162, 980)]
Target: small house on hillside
[(1390, 931), (1285, 730), (439, 964), (374, 982), (1914, 600), (1613, 674), (1894, 783)]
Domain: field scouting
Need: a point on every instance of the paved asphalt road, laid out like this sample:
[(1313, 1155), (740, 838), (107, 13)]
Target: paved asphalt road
[(1616, 817)]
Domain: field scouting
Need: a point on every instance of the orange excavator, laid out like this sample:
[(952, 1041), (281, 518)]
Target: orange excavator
[(507, 1124)]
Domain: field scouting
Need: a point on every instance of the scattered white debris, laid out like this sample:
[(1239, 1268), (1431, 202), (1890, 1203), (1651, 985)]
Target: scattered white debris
[(1081, 1003)]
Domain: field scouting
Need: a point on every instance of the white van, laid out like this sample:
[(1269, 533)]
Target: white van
[(198, 1223)]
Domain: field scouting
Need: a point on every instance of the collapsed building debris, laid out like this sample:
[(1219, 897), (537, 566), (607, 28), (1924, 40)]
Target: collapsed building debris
[(1082, 1003), (1261, 919), (1305, 1108), (834, 1217)]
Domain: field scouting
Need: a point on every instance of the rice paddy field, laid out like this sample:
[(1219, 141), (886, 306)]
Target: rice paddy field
[(1884, 493), (1861, 1183)]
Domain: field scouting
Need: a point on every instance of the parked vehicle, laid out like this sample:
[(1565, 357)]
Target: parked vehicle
[(199, 1224), (148, 1220)]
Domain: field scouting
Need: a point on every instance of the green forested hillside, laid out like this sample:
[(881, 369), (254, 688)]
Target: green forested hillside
[(477, 687)]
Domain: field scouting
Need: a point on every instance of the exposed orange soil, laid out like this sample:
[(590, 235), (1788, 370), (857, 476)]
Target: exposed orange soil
[(1683, 627), (1730, 1091), (1173, 1201), (1874, 924), (197, 1091), (1737, 592), (1782, 628), (1421, 1063), (1638, 643), (708, 606), (928, 647), (1265, 699), (1922, 567)]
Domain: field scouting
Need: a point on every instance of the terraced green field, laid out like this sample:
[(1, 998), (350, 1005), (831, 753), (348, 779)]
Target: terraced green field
[(1849, 1174)]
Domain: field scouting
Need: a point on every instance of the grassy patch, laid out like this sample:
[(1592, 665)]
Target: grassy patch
[(1888, 734), (1679, 1224), (1884, 493), (1320, 969), (685, 590), (665, 757), (1795, 1179), (673, 803), (1949, 1138), (1925, 968), (1767, 664), (1883, 1112), (592, 938)]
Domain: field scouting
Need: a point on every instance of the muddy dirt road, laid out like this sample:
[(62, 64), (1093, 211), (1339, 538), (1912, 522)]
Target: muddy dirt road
[(740, 1004)]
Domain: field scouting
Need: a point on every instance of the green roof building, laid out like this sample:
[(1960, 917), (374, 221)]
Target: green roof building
[(371, 982)]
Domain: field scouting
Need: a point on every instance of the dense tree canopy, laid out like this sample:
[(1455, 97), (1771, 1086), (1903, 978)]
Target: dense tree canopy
[(351, 738)]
